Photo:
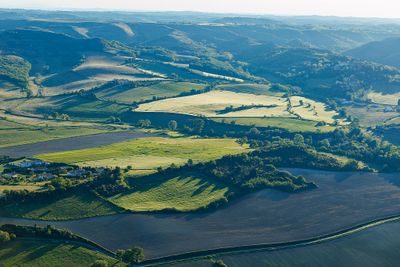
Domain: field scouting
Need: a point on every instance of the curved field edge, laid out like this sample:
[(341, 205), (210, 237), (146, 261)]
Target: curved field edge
[(206, 254)]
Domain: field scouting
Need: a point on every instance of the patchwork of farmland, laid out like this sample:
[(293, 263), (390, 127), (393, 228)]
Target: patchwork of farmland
[(229, 104), (270, 216)]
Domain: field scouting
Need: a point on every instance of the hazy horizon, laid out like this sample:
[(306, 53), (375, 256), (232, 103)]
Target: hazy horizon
[(340, 8)]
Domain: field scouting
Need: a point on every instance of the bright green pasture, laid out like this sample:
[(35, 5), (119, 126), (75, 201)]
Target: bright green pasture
[(186, 192), (149, 153)]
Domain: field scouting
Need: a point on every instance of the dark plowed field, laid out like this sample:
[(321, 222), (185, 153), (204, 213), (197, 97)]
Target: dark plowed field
[(71, 143), (342, 200)]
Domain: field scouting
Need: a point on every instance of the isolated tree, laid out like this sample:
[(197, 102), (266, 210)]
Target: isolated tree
[(219, 263), (99, 263), (5, 236), (144, 123), (298, 139), (198, 126), (254, 131), (172, 125)]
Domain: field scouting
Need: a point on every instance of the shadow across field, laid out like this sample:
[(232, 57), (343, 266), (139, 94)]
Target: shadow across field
[(341, 201)]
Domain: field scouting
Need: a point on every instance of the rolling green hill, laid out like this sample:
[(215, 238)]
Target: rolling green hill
[(384, 52)]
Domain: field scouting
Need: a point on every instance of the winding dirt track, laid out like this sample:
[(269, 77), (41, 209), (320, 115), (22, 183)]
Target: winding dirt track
[(341, 201)]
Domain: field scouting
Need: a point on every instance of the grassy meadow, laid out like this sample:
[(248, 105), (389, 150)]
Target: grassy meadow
[(149, 153), (186, 192), (51, 253)]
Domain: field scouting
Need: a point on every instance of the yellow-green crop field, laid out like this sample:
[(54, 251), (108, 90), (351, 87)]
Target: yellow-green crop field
[(149, 153)]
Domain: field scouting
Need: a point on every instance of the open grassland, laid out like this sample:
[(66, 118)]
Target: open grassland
[(291, 124), (51, 253), (162, 89), (152, 152), (208, 104), (387, 99), (377, 246), (186, 192), (312, 110), (73, 206)]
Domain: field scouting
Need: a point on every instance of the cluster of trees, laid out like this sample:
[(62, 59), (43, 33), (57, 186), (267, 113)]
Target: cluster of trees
[(132, 255), (109, 183), (15, 69), (243, 107), (58, 116), (295, 153), (6, 236), (42, 232), (247, 172)]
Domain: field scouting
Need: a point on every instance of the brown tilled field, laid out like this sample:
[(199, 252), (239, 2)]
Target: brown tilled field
[(342, 200)]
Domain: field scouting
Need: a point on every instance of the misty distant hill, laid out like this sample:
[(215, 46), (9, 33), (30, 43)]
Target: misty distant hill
[(384, 52)]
